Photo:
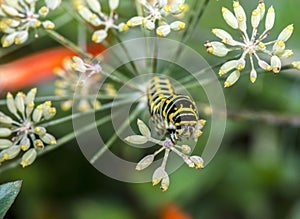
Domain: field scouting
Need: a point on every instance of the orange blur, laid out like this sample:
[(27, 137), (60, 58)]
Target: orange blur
[(173, 212), (36, 68)]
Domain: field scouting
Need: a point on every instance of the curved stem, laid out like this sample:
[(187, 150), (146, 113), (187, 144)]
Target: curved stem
[(105, 147)]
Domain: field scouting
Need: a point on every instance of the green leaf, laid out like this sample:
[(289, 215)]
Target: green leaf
[(8, 194)]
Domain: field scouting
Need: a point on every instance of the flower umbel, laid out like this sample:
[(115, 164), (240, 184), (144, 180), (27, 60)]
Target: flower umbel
[(23, 132), (156, 13), (18, 17), (78, 76), (160, 175), (93, 14), (251, 45)]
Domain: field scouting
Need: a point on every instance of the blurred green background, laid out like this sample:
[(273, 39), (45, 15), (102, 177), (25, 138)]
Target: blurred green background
[(255, 174)]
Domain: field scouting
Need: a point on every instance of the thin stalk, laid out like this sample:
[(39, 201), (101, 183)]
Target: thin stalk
[(189, 30), (60, 142), (78, 115), (67, 43), (136, 72), (98, 154)]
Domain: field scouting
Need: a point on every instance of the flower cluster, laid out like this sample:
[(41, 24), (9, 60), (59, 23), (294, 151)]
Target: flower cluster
[(23, 133), (156, 13), (160, 175), (93, 14), (252, 44), (19, 16), (80, 77)]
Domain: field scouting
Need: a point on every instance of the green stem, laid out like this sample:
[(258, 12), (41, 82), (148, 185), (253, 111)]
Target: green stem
[(78, 115), (98, 154), (60, 142)]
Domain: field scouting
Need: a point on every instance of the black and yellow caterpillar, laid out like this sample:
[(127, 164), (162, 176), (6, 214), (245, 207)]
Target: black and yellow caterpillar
[(172, 113)]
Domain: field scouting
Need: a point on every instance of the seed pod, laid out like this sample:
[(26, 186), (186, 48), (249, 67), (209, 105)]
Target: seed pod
[(21, 37), (253, 75), (48, 25), (255, 19), (149, 25), (278, 47), (264, 65), (43, 12), (186, 149), (222, 34)]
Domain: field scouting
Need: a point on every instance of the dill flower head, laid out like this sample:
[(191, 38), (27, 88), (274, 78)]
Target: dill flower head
[(255, 48), (19, 16), (23, 131), (156, 13), (82, 77), (160, 175), (91, 11)]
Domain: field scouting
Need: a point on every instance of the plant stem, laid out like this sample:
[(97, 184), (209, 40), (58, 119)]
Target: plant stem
[(77, 115), (60, 142), (105, 147)]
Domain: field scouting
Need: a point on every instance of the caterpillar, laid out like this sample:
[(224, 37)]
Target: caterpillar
[(172, 114)]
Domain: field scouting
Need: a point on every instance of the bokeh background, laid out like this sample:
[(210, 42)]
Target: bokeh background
[(255, 173)]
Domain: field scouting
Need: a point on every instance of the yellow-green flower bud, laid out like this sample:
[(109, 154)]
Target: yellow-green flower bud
[(163, 30), (232, 78), (20, 102), (145, 162), (25, 144), (230, 18), (5, 132), (113, 4), (38, 144), (286, 33), (165, 182), (270, 19), (48, 139), (158, 175), (10, 153), (5, 143), (94, 5), (38, 113), (136, 139), (30, 96), (198, 161), (29, 157), (11, 103), (145, 131), (240, 15), (276, 64)]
